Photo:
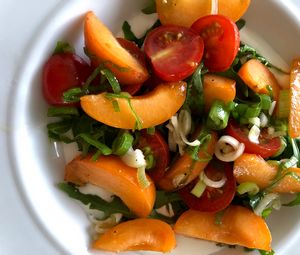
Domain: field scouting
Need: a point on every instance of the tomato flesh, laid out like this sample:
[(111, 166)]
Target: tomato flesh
[(174, 51), (266, 147), (221, 41), (62, 72), (160, 151), (212, 199)]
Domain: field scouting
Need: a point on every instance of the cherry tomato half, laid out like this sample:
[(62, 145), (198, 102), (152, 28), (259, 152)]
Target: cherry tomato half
[(221, 41), (160, 151), (135, 51), (62, 72), (174, 51), (212, 199), (266, 147)]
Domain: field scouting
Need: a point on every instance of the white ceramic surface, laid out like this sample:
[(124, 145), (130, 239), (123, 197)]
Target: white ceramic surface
[(36, 218)]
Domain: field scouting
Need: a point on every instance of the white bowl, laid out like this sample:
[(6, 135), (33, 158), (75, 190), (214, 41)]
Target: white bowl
[(270, 25)]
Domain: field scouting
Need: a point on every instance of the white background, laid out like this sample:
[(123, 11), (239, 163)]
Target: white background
[(19, 21)]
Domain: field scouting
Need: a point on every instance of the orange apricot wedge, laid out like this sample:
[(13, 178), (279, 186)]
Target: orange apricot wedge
[(258, 77), (253, 168), (185, 169), (217, 87), (112, 174), (104, 48), (186, 12), (152, 108), (238, 226), (294, 117), (138, 234)]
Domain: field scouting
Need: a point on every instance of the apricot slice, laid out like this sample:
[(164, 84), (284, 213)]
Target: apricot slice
[(186, 12), (253, 168), (258, 77), (238, 226), (152, 109), (217, 87), (294, 118), (104, 48), (185, 169), (112, 174), (138, 234)]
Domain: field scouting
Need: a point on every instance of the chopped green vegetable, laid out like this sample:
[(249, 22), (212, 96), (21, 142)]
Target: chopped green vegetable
[(63, 47), (198, 188), (122, 143), (284, 103), (248, 187), (240, 23), (67, 111), (94, 142), (142, 178), (218, 115)]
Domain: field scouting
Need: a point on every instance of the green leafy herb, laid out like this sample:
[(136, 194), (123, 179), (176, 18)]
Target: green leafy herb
[(105, 150), (266, 252), (63, 47), (150, 8), (129, 35), (194, 96), (95, 202), (54, 111), (164, 198), (240, 23), (247, 52)]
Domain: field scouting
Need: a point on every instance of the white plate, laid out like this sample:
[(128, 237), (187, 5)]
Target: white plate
[(35, 217)]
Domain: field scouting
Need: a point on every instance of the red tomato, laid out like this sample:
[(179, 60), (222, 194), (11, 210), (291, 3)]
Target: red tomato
[(175, 52), (135, 51), (212, 199), (160, 152), (221, 41), (62, 72), (266, 147)]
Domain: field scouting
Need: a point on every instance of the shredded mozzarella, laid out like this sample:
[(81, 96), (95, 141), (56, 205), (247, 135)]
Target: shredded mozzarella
[(134, 158), (228, 148)]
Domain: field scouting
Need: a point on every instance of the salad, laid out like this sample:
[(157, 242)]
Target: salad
[(185, 130)]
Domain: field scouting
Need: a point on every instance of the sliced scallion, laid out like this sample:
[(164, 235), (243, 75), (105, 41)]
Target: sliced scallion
[(248, 187), (105, 150), (142, 177), (122, 143), (198, 188), (62, 111)]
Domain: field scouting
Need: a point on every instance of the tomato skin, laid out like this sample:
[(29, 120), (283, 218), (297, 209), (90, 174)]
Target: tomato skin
[(135, 51), (212, 200), (174, 51), (160, 152), (266, 148), (60, 73), (221, 41)]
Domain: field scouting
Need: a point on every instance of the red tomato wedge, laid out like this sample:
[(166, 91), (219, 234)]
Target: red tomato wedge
[(221, 41), (212, 199), (266, 147), (160, 151), (174, 51), (62, 72)]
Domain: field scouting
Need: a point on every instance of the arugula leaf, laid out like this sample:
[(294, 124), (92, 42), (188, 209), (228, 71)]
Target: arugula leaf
[(164, 198), (266, 252), (240, 23), (129, 35), (150, 8), (63, 47), (95, 202), (194, 96)]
